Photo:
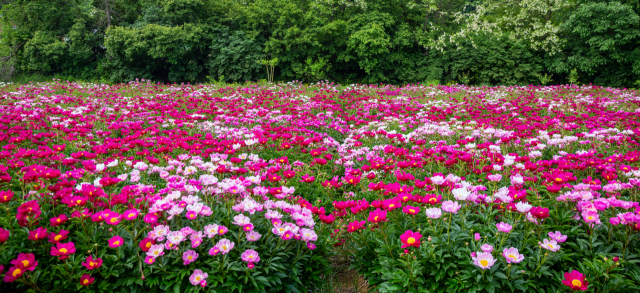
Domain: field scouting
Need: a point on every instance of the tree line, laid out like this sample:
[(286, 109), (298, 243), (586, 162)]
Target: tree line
[(478, 42)]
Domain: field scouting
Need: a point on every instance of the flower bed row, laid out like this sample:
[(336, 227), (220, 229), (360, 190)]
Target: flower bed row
[(149, 187)]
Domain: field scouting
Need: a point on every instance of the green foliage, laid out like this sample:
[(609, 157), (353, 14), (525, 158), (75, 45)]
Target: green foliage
[(389, 41), (573, 76), (544, 79), (234, 55), (171, 53), (314, 71), (602, 44), (493, 61)]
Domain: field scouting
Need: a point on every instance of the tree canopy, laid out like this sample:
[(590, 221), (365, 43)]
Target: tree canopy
[(493, 42)]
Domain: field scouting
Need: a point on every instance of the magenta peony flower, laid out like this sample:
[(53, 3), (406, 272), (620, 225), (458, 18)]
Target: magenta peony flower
[(575, 280), (28, 261), (116, 241), (63, 250), (91, 263), (410, 238)]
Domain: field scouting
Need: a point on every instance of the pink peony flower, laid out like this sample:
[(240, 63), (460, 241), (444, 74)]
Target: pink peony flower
[(198, 277), (557, 236), (433, 213), (451, 206), (512, 255), (484, 260), (225, 245), (250, 256), (253, 236), (550, 245), (189, 256), (486, 247), (504, 227), (156, 250)]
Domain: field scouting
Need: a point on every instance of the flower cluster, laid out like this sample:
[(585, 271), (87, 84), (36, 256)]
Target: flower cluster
[(258, 186)]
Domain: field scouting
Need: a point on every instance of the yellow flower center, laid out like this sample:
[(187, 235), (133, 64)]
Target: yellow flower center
[(224, 247), (148, 244), (251, 256), (551, 246), (512, 256), (92, 264), (484, 262), (63, 250), (117, 242), (25, 263), (57, 238), (221, 231), (198, 278), (17, 272), (412, 210), (156, 252), (375, 218), (411, 240), (576, 283), (113, 220), (190, 257)]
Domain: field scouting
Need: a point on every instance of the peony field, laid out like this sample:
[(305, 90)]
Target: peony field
[(289, 187)]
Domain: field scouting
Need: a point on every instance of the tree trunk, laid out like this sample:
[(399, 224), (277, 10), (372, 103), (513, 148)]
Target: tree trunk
[(106, 8)]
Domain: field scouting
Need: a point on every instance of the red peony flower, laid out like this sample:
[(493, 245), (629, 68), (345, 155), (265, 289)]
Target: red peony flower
[(86, 280)]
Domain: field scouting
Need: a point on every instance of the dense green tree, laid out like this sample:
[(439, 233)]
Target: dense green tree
[(369, 41), (602, 44)]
